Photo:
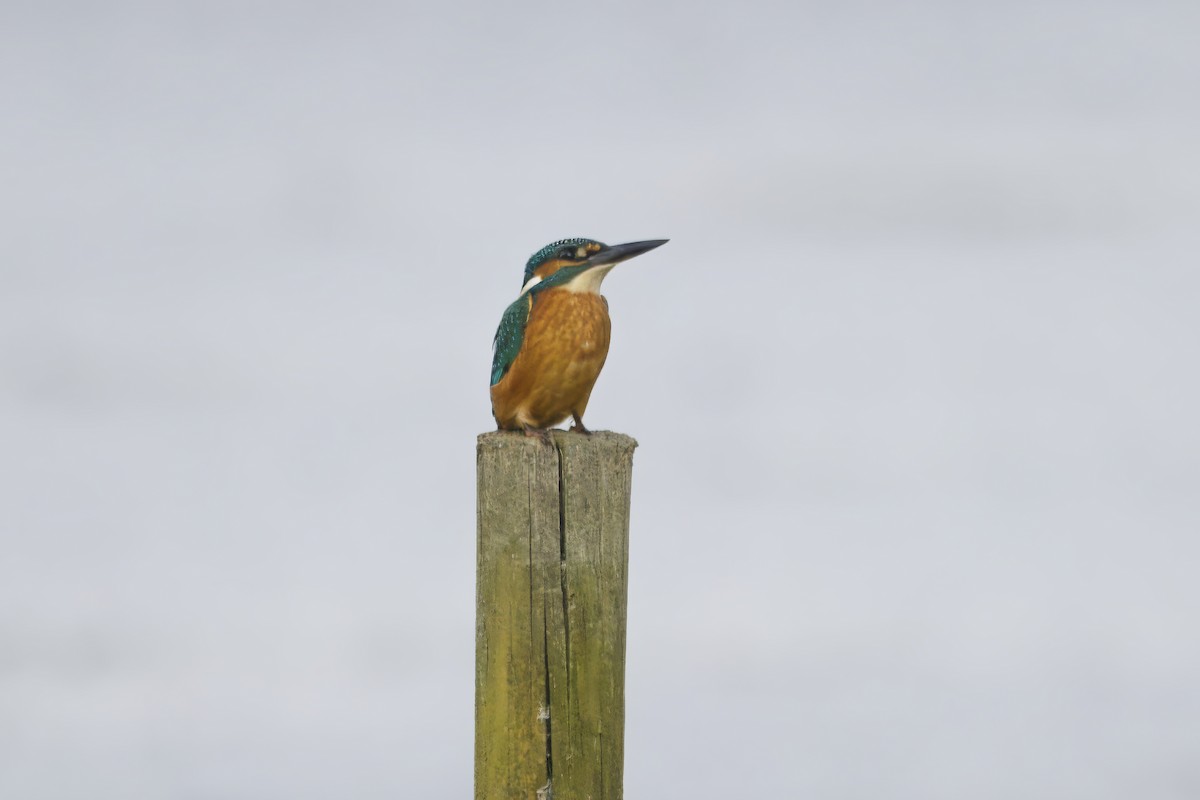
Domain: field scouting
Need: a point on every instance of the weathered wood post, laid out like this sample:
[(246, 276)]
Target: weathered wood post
[(550, 601)]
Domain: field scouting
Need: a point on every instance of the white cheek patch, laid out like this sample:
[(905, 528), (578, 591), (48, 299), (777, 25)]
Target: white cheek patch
[(529, 284)]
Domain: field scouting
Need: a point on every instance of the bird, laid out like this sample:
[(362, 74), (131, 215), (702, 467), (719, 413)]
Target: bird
[(553, 339)]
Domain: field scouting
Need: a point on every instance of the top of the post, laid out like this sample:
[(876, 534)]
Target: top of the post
[(600, 441)]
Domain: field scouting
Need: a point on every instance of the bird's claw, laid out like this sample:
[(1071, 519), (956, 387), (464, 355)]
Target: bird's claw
[(540, 433)]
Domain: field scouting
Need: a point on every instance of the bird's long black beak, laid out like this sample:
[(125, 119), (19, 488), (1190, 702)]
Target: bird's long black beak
[(623, 252)]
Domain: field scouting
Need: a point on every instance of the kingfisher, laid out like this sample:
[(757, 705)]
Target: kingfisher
[(553, 339)]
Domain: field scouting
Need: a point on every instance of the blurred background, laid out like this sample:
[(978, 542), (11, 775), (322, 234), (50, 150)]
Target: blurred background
[(916, 504)]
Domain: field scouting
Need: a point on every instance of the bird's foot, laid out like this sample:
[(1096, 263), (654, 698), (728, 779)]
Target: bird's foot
[(578, 426), (540, 433)]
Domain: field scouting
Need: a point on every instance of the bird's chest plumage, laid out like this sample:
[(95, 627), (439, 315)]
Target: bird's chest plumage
[(564, 348), (567, 327)]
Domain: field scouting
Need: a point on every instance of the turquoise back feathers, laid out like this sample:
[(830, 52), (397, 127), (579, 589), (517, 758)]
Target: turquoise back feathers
[(510, 334)]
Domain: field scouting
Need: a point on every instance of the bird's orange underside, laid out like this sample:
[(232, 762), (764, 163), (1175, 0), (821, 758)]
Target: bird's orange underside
[(565, 344)]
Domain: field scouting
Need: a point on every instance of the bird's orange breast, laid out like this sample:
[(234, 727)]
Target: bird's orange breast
[(562, 353)]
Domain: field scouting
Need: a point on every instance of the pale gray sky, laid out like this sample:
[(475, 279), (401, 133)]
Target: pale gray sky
[(916, 503)]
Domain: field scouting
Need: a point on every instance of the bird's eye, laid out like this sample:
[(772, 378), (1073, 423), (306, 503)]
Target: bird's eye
[(567, 252)]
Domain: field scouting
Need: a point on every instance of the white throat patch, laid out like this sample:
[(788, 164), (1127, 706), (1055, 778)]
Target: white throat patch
[(589, 280)]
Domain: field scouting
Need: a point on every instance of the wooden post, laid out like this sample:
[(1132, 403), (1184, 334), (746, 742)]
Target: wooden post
[(550, 601)]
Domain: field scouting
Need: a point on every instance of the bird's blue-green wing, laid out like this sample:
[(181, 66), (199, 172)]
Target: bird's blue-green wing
[(509, 335)]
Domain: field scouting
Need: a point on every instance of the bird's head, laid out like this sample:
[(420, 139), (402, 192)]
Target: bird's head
[(585, 259)]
